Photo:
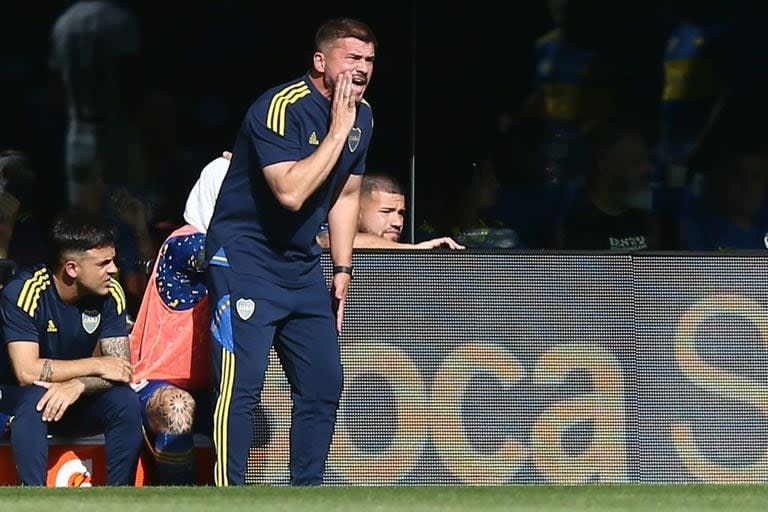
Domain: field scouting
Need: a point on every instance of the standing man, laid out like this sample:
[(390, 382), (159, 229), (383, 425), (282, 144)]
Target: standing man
[(65, 362), (297, 160)]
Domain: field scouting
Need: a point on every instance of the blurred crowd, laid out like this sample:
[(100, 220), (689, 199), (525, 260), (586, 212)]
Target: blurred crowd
[(641, 128), (617, 131)]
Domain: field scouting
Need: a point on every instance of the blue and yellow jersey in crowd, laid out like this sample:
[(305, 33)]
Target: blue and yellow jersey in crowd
[(693, 78), (572, 85), (575, 82)]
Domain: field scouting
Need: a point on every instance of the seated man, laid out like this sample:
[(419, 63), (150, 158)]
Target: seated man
[(731, 210), (170, 342), (382, 215), (614, 211), (66, 363), (464, 207)]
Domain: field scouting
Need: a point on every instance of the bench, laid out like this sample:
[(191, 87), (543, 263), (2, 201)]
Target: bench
[(80, 462)]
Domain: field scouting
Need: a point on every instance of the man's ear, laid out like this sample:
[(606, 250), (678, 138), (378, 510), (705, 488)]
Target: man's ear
[(318, 59), (71, 268)]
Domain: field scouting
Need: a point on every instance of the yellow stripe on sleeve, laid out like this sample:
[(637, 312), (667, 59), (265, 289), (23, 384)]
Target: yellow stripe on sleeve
[(27, 290), (274, 105), (118, 294), (293, 98)]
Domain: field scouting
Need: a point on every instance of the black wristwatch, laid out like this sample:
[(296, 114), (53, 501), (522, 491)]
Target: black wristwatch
[(345, 269)]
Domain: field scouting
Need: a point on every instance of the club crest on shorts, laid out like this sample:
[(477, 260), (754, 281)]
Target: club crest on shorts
[(90, 320), (354, 138), (245, 308)]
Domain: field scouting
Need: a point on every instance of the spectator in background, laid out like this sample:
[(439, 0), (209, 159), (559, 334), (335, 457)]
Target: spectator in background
[(466, 209), (527, 201), (613, 211), (574, 82), (696, 93), (170, 342), (22, 222), (695, 86), (94, 60), (65, 362), (731, 212), (382, 216), (729, 44)]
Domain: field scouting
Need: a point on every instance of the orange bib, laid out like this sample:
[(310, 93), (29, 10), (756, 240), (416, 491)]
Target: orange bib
[(172, 345)]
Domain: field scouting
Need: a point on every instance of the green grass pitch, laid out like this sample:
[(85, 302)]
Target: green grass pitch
[(595, 498)]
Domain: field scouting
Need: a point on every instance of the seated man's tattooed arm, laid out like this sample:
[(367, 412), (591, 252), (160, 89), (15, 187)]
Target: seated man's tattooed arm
[(46, 372), (116, 347)]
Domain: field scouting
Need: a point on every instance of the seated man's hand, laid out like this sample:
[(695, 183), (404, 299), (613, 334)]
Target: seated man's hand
[(440, 242), (58, 398), (115, 369)]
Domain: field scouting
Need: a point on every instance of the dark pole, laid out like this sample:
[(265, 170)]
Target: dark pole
[(412, 163)]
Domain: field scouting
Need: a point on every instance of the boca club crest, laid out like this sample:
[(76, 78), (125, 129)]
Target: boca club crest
[(245, 308), (90, 320), (354, 138)]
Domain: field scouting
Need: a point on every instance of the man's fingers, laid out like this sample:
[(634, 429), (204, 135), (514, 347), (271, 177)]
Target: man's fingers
[(340, 316), (339, 89), (126, 369), (453, 244), (43, 402), (52, 404), (60, 413), (50, 411), (348, 91), (54, 411), (343, 90), (126, 375)]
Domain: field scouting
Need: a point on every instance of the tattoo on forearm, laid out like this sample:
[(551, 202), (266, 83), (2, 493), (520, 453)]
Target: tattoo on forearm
[(118, 346), (46, 373), (95, 384)]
